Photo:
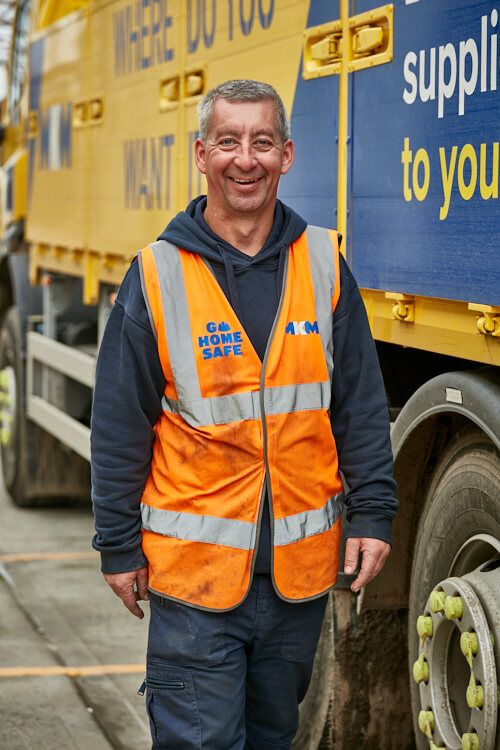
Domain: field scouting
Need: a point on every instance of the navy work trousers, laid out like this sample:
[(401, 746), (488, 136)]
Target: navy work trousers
[(230, 680)]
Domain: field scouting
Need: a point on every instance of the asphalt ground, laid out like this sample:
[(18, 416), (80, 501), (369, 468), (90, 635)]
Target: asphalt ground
[(71, 655)]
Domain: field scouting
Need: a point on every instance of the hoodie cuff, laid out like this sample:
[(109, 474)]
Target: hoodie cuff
[(123, 562), (369, 525)]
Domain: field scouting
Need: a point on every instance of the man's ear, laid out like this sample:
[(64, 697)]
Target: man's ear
[(200, 155), (287, 156)]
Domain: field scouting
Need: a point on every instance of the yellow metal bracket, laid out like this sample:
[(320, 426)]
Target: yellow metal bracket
[(488, 322), (89, 112), (322, 50), (169, 93), (177, 89), (372, 35), (194, 82), (370, 41), (337, 48), (403, 308)]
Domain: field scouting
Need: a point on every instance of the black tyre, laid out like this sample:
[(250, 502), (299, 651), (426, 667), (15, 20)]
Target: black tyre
[(359, 668), (36, 468), (461, 513), (13, 429)]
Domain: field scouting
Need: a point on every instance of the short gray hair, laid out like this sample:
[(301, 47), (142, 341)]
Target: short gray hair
[(243, 90)]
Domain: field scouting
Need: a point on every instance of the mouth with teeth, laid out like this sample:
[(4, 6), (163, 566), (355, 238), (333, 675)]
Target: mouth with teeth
[(241, 181)]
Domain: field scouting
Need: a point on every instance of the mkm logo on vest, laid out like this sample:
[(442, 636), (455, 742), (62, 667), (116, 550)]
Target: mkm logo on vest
[(220, 341), (301, 327)]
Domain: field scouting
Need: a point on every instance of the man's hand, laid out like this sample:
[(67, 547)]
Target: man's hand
[(374, 553), (130, 587)]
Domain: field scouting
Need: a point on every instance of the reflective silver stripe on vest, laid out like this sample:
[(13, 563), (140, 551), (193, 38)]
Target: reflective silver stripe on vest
[(239, 534), (309, 523), (240, 406), (323, 268), (176, 316), (146, 298), (198, 528)]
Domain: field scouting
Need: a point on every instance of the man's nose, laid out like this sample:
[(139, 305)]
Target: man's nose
[(245, 157)]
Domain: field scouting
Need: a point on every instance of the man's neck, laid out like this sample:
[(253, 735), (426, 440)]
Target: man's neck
[(247, 234)]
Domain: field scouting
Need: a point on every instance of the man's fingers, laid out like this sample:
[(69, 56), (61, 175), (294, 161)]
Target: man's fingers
[(142, 584), (369, 569), (351, 555), (374, 554), (129, 598), (130, 587)]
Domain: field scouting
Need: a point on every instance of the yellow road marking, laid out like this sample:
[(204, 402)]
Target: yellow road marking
[(56, 671), (37, 556)]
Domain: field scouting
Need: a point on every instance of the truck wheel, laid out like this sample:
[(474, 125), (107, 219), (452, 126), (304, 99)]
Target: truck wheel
[(359, 695), (36, 468), (455, 600), (12, 428)]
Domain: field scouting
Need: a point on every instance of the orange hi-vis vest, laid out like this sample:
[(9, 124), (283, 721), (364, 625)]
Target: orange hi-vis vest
[(233, 426)]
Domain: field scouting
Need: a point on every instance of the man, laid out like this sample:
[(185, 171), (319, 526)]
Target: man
[(236, 374)]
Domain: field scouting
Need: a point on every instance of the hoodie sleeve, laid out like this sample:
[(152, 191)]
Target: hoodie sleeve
[(360, 418), (126, 405)]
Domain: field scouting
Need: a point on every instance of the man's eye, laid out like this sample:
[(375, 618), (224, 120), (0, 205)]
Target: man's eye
[(227, 142), (263, 143)]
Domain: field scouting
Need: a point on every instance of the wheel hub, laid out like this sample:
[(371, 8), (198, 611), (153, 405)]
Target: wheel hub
[(458, 658)]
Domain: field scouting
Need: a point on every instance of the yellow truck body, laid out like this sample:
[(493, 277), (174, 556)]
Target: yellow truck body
[(394, 110)]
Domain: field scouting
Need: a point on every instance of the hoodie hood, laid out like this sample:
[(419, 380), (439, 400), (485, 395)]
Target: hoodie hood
[(190, 231)]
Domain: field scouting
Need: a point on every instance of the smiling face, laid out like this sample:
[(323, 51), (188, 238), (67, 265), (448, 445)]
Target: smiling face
[(243, 158)]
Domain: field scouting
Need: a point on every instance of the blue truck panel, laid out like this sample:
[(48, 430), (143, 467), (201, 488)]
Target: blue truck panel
[(311, 186), (421, 246), (423, 190)]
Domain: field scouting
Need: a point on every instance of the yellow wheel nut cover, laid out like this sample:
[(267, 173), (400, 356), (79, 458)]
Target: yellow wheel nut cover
[(453, 607), (424, 626), (436, 601), (426, 722), (475, 696), (421, 670), (470, 741), (469, 644)]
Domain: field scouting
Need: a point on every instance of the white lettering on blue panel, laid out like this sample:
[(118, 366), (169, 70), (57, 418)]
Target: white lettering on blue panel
[(453, 68)]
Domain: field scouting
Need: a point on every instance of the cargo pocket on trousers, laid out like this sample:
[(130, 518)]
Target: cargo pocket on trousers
[(185, 636), (172, 708), (302, 629)]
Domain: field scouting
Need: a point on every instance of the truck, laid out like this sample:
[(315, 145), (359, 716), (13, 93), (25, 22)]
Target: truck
[(394, 112)]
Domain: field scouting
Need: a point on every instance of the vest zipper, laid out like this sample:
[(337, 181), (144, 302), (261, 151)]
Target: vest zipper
[(267, 481)]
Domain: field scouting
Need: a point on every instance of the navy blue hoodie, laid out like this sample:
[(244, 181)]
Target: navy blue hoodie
[(130, 385)]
